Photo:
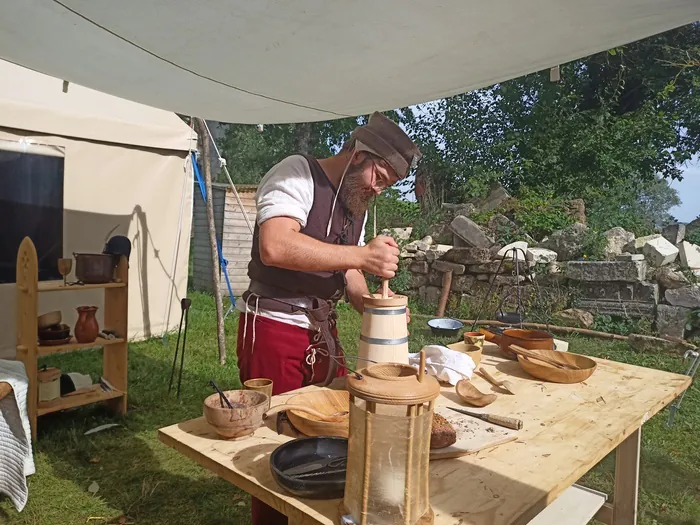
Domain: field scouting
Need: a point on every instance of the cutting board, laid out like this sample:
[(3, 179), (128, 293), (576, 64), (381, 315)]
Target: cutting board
[(473, 435)]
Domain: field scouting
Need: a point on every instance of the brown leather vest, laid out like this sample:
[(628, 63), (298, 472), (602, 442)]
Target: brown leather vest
[(344, 230)]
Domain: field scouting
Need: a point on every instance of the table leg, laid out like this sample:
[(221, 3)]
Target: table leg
[(623, 509)]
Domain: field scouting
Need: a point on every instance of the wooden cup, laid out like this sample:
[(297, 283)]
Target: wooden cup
[(261, 385), (474, 338)]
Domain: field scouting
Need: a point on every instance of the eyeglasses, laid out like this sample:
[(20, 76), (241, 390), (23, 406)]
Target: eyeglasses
[(384, 180)]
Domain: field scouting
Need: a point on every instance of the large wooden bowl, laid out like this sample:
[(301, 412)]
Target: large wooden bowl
[(327, 402), (548, 372)]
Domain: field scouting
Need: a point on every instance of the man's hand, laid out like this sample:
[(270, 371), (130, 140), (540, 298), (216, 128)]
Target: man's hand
[(382, 257)]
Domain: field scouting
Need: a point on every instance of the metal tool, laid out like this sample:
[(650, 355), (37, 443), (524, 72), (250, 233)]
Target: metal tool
[(314, 466), (503, 421), (691, 372), (222, 397), (322, 473), (185, 304)]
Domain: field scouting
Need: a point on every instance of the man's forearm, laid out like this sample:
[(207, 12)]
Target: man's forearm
[(294, 250), (356, 288)]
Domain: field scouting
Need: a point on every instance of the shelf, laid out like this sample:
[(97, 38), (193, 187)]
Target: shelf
[(47, 350), (77, 400), (57, 286)]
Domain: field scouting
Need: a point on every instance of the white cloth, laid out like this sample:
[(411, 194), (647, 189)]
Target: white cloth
[(439, 358), (287, 190), (16, 460)]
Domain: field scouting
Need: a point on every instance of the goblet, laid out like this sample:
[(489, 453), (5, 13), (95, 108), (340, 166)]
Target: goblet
[(64, 268)]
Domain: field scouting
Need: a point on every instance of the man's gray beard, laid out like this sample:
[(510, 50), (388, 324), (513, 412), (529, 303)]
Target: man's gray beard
[(354, 196)]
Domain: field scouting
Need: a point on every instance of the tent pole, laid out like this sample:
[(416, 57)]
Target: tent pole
[(206, 165)]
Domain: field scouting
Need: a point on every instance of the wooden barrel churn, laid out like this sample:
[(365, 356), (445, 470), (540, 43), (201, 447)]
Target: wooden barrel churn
[(384, 335)]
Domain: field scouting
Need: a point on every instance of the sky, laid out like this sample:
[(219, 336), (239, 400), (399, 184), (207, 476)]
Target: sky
[(689, 192)]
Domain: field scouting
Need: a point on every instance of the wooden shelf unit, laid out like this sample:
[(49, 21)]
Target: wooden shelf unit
[(116, 301)]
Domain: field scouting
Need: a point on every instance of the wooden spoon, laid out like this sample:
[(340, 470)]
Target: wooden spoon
[(330, 418), (471, 395), (505, 384)]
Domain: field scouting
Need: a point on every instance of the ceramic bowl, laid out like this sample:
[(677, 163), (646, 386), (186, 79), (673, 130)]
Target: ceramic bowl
[(49, 319)]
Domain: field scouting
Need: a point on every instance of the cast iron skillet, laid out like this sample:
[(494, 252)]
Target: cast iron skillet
[(306, 450)]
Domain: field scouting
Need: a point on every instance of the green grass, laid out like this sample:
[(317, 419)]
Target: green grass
[(144, 482)]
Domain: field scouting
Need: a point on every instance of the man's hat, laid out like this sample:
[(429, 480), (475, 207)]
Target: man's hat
[(384, 138)]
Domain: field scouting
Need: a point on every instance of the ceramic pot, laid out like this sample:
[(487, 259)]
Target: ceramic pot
[(86, 329)]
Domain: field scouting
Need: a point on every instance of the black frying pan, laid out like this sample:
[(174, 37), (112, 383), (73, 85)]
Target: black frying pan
[(307, 450)]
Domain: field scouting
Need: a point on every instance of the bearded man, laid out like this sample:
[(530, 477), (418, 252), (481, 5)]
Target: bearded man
[(308, 252)]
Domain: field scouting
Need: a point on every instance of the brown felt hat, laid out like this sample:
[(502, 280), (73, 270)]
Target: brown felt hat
[(383, 137)]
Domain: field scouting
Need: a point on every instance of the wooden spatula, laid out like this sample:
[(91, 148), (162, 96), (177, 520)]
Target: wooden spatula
[(505, 384)]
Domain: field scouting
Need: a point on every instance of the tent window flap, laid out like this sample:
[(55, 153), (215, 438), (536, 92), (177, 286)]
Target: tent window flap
[(31, 205)]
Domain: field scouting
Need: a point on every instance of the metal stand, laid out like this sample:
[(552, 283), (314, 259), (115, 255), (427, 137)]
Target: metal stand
[(691, 372), (185, 305)]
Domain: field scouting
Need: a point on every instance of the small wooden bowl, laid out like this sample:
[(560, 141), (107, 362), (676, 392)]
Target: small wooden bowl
[(49, 319), (327, 402), (240, 421), (547, 372), (464, 348)]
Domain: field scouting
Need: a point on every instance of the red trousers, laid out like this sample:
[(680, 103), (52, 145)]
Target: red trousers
[(284, 353)]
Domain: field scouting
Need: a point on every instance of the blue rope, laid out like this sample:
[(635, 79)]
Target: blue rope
[(222, 260)]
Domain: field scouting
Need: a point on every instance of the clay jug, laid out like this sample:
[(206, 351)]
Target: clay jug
[(86, 329)]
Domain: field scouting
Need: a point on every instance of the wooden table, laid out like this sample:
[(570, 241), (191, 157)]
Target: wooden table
[(567, 430)]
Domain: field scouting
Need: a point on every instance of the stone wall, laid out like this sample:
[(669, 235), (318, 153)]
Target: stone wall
[(644, 277)]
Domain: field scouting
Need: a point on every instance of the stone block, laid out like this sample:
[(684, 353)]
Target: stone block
[(459, 209), (418, 280), (458, 242), (619, 308), (411, 247), (421, 245), (398, 234), (674, 233), (468, 255), (575, 317), (690, 255), (446, 266), (660, 252), (435, 278), (670, 320), (617, 238), (441, 249), (605, 271), (630, 257), (462, 283), (646, 292), (568, 243), (688, 297), (482, 277), (541, 255), (470, 232), (497, 196), (431, 256), (429, 294), (670, 279), (577, 210), (515, 250), (407, 255), (636, 245), (492, 267), (420, 256), (419, 267)]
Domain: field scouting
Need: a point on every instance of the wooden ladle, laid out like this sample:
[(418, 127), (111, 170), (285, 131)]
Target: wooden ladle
[(330, 418), (471, 395)]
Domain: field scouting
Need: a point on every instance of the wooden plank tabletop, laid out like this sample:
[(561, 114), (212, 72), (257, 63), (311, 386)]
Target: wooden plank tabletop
[(567, 430)]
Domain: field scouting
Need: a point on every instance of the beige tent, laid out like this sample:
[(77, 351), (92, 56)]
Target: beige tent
[(125, 167)]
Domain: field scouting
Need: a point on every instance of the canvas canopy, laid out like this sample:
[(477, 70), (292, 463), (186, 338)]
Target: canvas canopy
[(269, 61)]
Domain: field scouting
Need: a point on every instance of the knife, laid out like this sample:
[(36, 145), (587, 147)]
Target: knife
[(504, 421), (316, 465)]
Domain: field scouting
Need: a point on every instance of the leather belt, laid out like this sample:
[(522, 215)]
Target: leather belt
[(320, 312)]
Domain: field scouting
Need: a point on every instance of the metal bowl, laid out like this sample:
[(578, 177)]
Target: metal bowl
[(307, 450), (445, 326)]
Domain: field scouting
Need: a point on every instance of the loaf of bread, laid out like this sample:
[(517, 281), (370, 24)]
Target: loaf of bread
[(442, 433)]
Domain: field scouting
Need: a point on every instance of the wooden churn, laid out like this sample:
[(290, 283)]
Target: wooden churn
[(391, 413), (384, 335)]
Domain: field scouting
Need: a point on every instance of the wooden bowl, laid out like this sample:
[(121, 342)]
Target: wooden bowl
[(547, 372), (49, 319), (327, 402), (240, 421), (464, 348), (52, 333)]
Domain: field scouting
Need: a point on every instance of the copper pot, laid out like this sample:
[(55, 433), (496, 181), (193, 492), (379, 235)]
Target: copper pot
[(528, 339), (94, 268)]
